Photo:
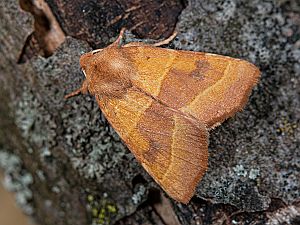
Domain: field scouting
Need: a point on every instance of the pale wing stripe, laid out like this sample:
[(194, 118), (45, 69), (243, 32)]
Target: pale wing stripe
[(160, 133), (183, 159), (207, 89)]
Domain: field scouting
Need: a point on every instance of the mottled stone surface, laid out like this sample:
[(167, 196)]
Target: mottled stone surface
[(98, 21), (72, 167), (254, 156), (74, 129)]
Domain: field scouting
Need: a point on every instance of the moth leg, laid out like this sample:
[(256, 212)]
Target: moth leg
[(166, 41), (117, 42), (97, 50), (82, 90), (163, 42), (133, 44)]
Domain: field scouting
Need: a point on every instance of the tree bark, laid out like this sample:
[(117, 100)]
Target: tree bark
[(68, 166)]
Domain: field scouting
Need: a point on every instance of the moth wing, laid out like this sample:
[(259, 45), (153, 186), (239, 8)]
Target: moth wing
[(206, 86), (171, 147)]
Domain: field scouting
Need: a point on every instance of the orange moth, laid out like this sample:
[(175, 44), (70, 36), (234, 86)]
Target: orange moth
[(162, 102)]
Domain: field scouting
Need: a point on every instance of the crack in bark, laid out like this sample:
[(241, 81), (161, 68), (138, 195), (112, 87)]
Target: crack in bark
[(47, 35)]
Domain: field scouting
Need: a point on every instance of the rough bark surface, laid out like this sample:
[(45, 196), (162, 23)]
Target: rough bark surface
[(68, 166), (98, 21)]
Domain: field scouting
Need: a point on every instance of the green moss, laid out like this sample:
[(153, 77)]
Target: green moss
[(111, 208), (102, 210), (102, 213), (90, 198), (95, 212), (286, 127)]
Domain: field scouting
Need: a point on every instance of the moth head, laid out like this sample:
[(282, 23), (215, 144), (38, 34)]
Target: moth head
[(107, 72)]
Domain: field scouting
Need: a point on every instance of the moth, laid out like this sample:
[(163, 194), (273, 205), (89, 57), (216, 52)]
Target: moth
[(162, 102)]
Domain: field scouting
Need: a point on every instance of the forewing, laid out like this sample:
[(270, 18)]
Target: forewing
[(206, 86), (171, 146)]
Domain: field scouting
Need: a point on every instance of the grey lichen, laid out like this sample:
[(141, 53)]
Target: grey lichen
[(240, 171), (17, 180), (255, 155), (30, 118), (253, 174), (74, 129), (139, 195)]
